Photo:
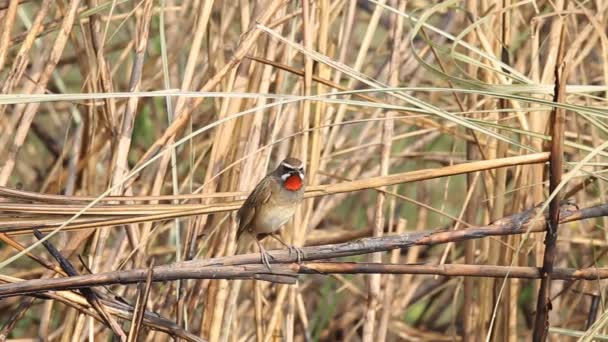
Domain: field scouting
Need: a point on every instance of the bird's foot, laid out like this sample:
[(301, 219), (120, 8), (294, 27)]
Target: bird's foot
[(299, 252), (264, 256), (265, 259), (292, 249)]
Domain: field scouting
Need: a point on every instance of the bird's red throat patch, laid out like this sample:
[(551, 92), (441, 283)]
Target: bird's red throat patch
[(293, 183)]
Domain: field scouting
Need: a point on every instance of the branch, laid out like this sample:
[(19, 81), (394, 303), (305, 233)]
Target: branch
[(247, 266), (452, 270), (29, 287)]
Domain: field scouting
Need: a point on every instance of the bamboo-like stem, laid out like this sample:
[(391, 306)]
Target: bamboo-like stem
[(7, 27), (374, 293), (140, 306), (558, 118), (13, 227)]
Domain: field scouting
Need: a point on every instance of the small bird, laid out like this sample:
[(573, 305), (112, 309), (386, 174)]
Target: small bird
[(271, 204)]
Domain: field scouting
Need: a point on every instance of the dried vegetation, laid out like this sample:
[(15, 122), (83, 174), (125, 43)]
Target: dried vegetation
[(464, 130)]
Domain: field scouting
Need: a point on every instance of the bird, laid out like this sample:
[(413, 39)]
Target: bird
[(271, 204)]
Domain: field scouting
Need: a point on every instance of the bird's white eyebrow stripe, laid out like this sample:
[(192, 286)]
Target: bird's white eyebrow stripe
[(289, 166)]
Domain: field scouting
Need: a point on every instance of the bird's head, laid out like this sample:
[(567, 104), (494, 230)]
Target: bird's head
[(291, 173)]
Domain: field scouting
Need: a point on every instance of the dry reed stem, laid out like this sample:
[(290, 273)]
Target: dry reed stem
[(374, 294), (16, 226), (9, 20), (556, 161), (140, 305)]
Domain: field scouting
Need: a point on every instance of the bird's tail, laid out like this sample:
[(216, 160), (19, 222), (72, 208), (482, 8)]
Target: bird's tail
[(244, 242)]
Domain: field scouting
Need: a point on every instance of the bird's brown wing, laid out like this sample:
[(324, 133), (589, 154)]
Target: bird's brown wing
[(259, 196)]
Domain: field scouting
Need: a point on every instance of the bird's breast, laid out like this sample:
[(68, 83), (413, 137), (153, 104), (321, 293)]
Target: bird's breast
[(271, 218)]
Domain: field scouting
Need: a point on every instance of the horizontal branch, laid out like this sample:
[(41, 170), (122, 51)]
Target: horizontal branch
[(287, 273), (452, 270), (109, 215), (247, 266)]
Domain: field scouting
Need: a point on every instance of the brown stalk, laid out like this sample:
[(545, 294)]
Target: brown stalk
[(495, 251), (223, 150), (453, 270), (40, 197), (119, 163), (122, 148), (389, 289), (470, 209), (9, 20), (15, 226), (397, 23), (19, 247), (102, 72), (203, 15), (17, 315), (140, 305), (250, 130), (558, 118)]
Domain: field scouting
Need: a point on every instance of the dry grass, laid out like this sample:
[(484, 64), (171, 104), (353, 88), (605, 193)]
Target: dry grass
[(132, 130)]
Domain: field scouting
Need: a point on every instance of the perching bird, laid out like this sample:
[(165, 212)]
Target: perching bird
[(271, 204)]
